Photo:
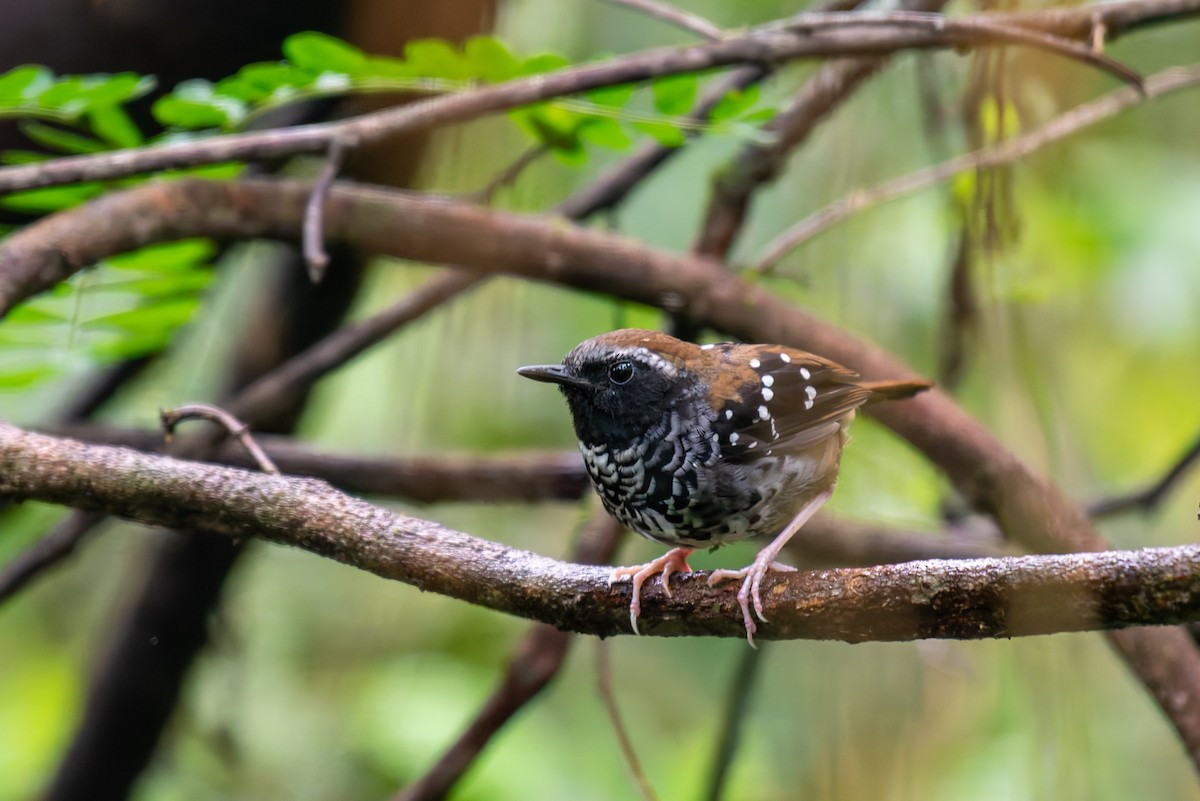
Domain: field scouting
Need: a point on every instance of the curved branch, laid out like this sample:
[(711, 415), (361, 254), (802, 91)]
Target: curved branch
[(972, 599), (765, 45), (1027, 508)]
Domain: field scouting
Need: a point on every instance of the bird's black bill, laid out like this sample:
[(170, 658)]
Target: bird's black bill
[(554, 374)]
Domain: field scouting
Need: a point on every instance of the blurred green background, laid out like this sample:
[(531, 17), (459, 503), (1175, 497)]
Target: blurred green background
[(323, 682)]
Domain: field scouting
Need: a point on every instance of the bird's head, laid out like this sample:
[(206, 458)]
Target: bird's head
[(620, 384)]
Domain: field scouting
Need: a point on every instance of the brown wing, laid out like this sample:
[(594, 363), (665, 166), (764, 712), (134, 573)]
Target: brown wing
[(777, 398)]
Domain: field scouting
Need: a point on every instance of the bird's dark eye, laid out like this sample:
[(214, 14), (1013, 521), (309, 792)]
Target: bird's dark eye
[(621, 373)]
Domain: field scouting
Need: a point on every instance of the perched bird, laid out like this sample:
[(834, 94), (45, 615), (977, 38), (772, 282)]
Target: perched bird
[(694, 446)]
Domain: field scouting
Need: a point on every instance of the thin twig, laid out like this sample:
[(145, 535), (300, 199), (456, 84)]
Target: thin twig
[(535, 663), (759, 163), (306, 368), (680, 19), (733, 718), (314, 213), (604, 685), (506, 176), (1149, 497), (237, 429), (974, 30), (1078, 118), (48, 551)]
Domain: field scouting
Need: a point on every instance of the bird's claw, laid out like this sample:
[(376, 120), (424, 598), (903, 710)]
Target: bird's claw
[(673, 561), (751, 590)]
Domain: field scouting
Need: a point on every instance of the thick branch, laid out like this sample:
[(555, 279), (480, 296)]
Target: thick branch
[(1028, 509), (971, 599), (827, 541)]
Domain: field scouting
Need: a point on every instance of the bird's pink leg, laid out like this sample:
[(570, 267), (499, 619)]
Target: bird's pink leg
[(752, 575), (673, 561)]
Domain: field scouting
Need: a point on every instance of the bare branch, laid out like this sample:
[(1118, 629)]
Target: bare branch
[(51, 549), (680, 19), (314, 242), (1015, 596), (759, 46), (1075, 120), (236, 428), (279, 386), (1146, 499), (974, 30), (506, 177)]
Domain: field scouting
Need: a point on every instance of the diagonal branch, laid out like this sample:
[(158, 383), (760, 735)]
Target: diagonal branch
[(1012, 150)]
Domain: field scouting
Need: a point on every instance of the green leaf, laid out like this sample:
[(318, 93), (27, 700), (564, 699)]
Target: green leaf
[(23, 378), (319, 52), (611, 96), (166, 256), (491, 59), (159, 287), (435, 58), (61, 140), (554, 126), (674, 95), (762, 115), (156, 317), (113, 125), (663, 132), (66, 94), (104, 90), (573, 156), (735, 103), (33, 313), (236, 87), (24, 83), (172, 110), (23, 157), (54, 198), (605, 132), (388, 67), (544, 62)]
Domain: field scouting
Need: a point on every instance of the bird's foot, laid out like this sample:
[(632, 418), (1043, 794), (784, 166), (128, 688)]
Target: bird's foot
[(751, 577), (673, 561)]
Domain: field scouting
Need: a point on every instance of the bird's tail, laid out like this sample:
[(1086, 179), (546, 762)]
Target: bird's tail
[(894, 390)]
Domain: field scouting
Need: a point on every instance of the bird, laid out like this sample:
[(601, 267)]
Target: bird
[(694, 446)]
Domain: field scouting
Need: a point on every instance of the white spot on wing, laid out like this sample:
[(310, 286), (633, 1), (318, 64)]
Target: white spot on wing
[(767, 394), (785, 358), (733, 438), (707, 347), (768, 380), (755, 363), (810, 391), (729, 414), (805, 374), (763, 413)]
